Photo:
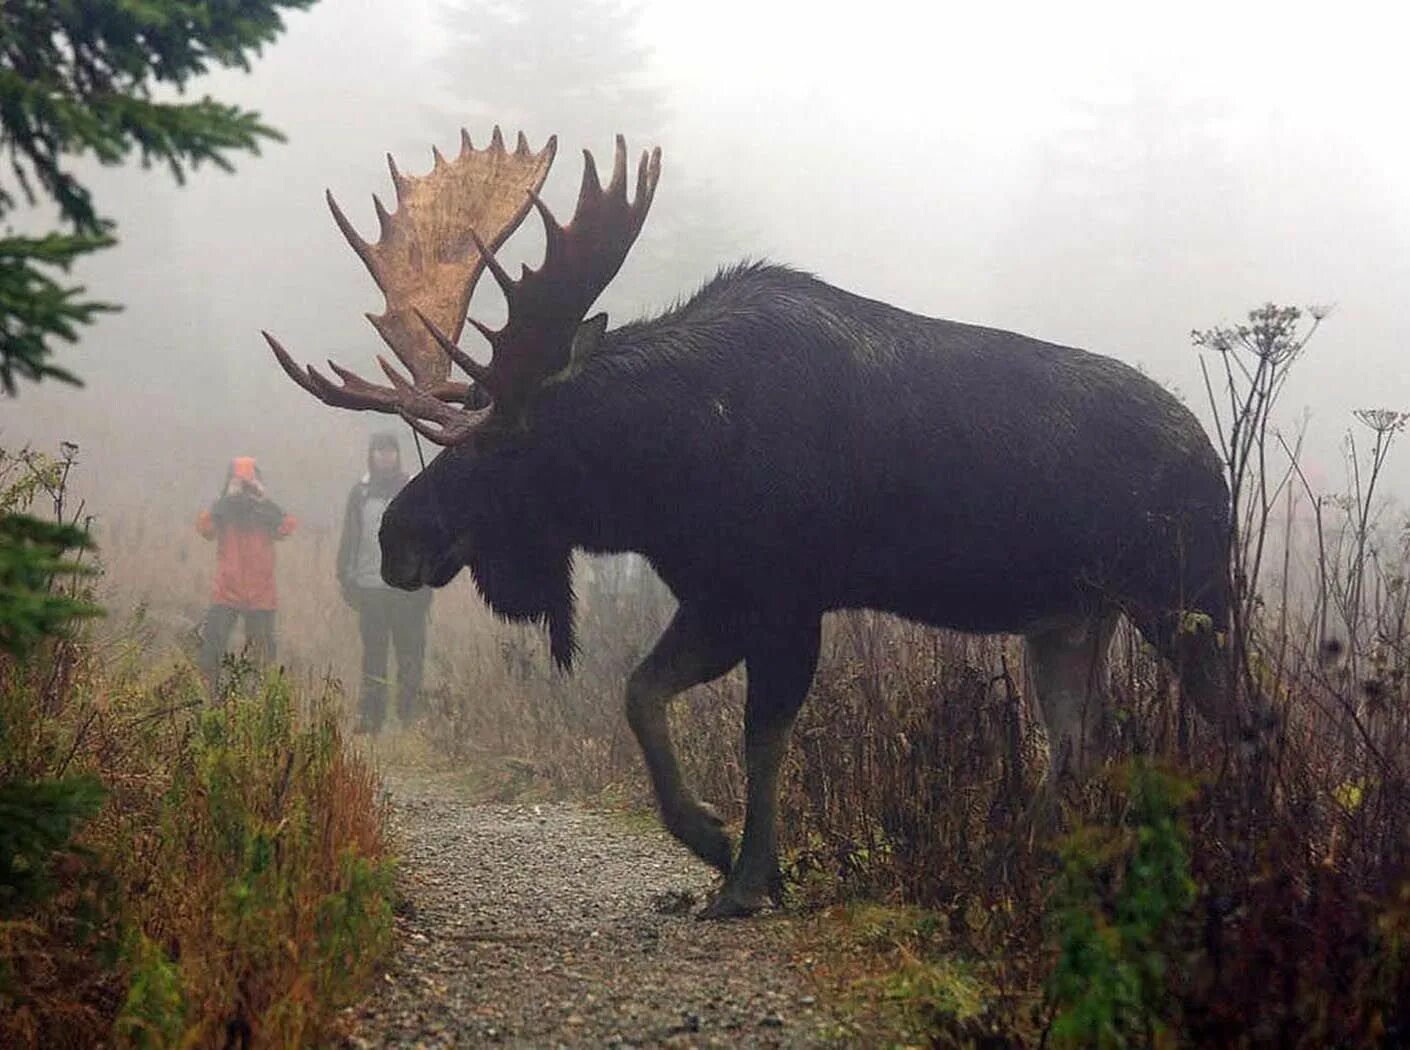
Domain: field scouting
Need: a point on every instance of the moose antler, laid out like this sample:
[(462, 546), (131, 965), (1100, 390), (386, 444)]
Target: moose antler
[(547, 305), (429, 256), (446, 229)]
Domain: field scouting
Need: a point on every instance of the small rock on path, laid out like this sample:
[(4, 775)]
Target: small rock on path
[(551, 925)]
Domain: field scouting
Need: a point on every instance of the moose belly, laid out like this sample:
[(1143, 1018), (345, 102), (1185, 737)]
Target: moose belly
[(1003, 601)]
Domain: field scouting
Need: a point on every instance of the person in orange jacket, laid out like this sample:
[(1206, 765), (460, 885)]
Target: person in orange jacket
[(244, 522)]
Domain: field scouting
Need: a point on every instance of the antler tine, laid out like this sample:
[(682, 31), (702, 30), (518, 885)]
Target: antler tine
[(355, 392), (351, 380), (648, 174), (384, 218), (485, 330), (476, 371), (498, 272), (399, 181), (591, 187), (454, 429), (618, 184), (397, 379), (454, 425), (349, 231), (553, 232), (317, 384), (547, 304), (292, 370)]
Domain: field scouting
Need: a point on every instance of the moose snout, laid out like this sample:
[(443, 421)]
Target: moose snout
[(409, 569), (401, 571), (403, 559)]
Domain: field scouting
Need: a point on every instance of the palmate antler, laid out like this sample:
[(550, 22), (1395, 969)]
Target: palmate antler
[(545, 305), (427, 261)]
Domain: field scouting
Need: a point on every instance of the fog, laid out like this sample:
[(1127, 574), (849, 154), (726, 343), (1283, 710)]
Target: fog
[(1088, 174)]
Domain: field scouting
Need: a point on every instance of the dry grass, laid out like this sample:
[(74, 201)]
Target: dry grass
[(234, 885)]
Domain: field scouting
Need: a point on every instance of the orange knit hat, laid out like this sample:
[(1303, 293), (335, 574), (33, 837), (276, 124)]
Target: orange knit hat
[(243, 467)]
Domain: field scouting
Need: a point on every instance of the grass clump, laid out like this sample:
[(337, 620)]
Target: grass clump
[(229, 882)]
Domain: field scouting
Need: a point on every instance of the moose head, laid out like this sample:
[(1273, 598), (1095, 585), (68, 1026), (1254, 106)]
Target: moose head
[(430, 254)]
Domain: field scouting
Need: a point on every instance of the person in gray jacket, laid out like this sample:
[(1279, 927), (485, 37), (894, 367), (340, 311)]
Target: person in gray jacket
[(387, 617)]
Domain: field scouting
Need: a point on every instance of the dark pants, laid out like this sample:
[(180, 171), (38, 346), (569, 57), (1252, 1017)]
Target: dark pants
[(220, 622), (399, 618)]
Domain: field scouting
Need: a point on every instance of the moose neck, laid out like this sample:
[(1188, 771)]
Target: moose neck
[(589, 437), (519, 552)]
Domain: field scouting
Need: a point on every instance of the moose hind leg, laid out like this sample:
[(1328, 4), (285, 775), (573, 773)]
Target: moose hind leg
[(1069, 669), (780, 665), (692, 650)]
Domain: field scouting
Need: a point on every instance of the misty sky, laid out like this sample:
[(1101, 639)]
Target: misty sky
[(1087, 174)]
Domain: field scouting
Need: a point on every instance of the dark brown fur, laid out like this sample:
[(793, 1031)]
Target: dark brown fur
[(778, 448)]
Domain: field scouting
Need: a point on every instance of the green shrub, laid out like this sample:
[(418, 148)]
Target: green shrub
[(272, 846), (154, 1013), (232, 877), (1124, 893)]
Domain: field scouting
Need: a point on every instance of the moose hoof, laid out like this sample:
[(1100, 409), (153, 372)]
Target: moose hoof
[(746, 892), (731, 905)]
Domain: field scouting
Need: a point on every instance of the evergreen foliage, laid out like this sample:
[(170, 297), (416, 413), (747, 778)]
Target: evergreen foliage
[(96, 78), (36, 819), (80, 79), (32, 554)]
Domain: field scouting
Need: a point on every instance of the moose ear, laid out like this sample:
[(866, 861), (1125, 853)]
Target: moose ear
[(586, 341), (588, 338)]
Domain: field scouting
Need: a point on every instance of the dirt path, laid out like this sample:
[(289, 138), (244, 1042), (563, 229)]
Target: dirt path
[(550, 925)]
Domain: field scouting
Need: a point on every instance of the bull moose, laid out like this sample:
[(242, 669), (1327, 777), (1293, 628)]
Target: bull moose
[(776, 448)]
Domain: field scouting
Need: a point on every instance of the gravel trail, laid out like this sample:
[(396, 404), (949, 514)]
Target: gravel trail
[(551, 925)]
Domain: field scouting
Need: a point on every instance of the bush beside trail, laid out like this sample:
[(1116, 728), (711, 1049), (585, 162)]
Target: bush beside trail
[(169, 875), (190, 875)]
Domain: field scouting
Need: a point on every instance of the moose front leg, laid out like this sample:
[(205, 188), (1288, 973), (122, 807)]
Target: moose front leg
[(695, 648), (780, 665)]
